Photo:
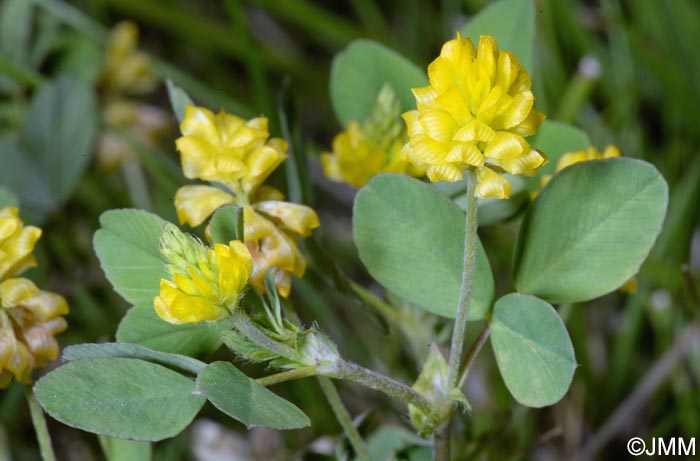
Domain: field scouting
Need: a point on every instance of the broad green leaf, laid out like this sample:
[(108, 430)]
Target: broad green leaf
[(133, 351), (590, 229), (141, 325), (411, 239), (125, 450), (120, 397), (555, 139), (247, 401), (7, 198), (360, 71), (227, 224), (511, 23), (128, 246), (55, 146), (533, 349), (179, 99), (16, 18)]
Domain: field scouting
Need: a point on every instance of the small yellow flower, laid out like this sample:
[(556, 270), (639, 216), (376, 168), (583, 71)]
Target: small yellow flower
[(362, 152), (571, 158), (206, 283), (29, 317), (238, 155), (475, 113), (126, 70), (272, 244), (227, 149)]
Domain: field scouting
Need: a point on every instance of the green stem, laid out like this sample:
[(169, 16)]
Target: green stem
[(460, 328), (368, 378), (42, 433), (19, 73), (473, 352), (343, 417), (441, 444), (297, 373)]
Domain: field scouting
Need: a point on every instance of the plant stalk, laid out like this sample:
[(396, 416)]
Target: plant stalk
[(344, 418), (297, 373), (39, 421), (460, 328), (356, 373), (473, 352), (441, 443)]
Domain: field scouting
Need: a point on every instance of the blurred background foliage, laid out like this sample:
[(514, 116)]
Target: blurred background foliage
[(625, 71)]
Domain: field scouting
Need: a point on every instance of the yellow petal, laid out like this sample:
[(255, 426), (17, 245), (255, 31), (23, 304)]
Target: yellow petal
[(438, 124), (299, 219), (14, 292), (262, 161), (194, 204), (491, 184), (466, 152), (197, 156), (611, 151), (199, 122), (475, 130), (530, 125), (444, 172)]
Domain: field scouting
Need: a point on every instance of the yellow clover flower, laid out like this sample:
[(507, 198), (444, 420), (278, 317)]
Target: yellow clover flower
[(475, 113), (206, 283), (238, 155), (362, 152), (29, 317)]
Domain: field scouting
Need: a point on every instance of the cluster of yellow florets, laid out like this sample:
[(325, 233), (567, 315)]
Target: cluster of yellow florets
[(29, 317)]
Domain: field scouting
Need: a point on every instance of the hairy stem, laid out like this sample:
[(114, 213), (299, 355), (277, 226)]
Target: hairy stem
[(39, 421), (297, 373), (343, 417), (460, 328), (356, 373), (441, 443)]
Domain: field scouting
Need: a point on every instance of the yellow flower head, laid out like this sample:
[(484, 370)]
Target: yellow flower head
[(16, 243), (362, 152), (29, 319), (206, 283), (571, 158), (475, 113), (227, 149), (126, 70), (238, 155)]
